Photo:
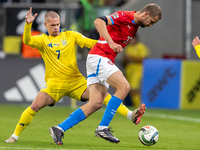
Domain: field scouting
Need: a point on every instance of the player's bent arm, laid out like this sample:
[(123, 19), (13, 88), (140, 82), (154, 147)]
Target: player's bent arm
[(87, 42), (83, 41), (90, 43), (101, 27), (197, 48)]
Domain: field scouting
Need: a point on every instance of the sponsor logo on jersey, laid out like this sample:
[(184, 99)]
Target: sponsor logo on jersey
[(128, 40), (56, 44), (49, 45)]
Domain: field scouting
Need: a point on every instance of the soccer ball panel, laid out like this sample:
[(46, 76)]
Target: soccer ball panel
[(148, 135)]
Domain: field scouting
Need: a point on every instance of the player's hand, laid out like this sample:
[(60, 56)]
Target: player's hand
[(196, 41), (116, 47), (29, 18)]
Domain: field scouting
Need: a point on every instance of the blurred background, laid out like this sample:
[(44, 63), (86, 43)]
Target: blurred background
[(170, 77)]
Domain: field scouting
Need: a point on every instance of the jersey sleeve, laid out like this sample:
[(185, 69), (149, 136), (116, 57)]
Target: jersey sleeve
[(83, 41), (120, 17), (33, 41), (197, 48)]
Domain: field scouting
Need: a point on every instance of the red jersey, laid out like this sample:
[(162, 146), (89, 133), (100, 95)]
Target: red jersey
[(122, 31)]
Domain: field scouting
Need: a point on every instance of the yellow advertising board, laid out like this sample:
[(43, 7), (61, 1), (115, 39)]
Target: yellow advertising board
[(190, 85), (12, 45)]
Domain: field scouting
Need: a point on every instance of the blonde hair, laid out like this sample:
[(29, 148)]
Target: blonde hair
[(51, 14)]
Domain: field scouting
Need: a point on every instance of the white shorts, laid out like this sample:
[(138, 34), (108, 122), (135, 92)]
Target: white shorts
[(99, 69)]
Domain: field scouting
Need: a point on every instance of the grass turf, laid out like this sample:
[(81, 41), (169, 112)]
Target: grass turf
[(175, 133)]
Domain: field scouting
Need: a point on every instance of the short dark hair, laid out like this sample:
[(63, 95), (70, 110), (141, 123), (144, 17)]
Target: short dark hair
[(153, 9)]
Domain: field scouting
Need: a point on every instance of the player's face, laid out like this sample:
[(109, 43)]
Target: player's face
[(148, 21), (53, 26)]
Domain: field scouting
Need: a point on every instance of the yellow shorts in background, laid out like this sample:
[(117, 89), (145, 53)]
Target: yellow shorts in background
[(72, 87)]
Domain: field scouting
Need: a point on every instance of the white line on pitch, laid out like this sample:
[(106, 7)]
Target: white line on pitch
[(172, 117), (164, 116), (35, 148)]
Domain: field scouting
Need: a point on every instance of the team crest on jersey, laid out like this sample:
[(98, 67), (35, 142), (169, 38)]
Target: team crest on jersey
[(115, 15), (64, 43), (110, 62)]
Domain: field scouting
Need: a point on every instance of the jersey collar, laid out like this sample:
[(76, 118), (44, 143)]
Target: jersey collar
[(133, 21), (47, 33)]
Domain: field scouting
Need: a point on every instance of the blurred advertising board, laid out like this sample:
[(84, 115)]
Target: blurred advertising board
[(190, 87), (171, 84), (161, 83)]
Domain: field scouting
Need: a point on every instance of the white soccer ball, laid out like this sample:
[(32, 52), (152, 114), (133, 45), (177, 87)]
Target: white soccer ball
[(148, 135)]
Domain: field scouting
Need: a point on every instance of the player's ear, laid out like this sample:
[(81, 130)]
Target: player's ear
[(45, 24), (145, 14)]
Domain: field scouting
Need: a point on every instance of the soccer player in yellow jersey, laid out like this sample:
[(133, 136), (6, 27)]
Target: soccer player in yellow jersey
[(196, 45), (62, 76), (132, 59)]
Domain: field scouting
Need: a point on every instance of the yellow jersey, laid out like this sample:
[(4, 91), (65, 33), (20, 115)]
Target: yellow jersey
[(197, 48), (137, 50), (58, 52), (133, 70)]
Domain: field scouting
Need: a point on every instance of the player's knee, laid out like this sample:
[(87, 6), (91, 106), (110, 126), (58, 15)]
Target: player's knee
[(97, 105), (35, 107), (125, 88)]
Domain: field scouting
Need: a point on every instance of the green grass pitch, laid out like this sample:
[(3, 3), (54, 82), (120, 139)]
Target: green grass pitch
[(178, 130)]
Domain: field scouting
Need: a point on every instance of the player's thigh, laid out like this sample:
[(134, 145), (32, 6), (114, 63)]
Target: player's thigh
[(99, 69), (85, 95), (55, 88), (118, 81), (42, 99), (77, 88), (97, 92)]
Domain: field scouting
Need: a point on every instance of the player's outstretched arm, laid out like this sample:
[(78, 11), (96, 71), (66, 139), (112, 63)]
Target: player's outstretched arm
[(29, 17), (196, 45), (27, 29)]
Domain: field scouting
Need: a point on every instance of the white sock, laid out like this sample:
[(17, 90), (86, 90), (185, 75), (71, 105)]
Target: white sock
[(15, 137), (129, 115), (60, 128), (101, 127)]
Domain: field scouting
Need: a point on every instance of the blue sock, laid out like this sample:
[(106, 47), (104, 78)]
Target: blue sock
[(74, 118), (110, 111)]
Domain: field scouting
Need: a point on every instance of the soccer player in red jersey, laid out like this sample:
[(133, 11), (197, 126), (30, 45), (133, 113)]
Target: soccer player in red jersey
[(116, 30)]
